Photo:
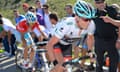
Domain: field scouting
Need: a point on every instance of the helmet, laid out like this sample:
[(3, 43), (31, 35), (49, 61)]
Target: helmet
[(30, 17), (84, 9)]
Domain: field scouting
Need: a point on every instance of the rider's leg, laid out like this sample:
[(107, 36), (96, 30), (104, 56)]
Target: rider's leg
[(58, 54), (32, 54), (83, 51), (76, 51), (26, 53)]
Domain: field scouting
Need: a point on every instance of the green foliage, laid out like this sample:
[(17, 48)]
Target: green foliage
[(6, 6), (58, 6)]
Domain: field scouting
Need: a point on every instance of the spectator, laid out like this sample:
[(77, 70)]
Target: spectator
[(32, 9), (46, 17), (25, 7), (105, 36), (40, 13), (69, 11), (18, 18)]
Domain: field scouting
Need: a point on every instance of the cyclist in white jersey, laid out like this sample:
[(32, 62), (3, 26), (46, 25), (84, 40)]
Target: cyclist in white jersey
[(10, 30), (72, 27)]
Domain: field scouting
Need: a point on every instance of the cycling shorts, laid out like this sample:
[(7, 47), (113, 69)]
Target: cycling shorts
[(65, 49), (28, 39)]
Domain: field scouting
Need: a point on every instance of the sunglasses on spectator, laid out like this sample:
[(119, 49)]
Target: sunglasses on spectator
[(67, 8), (99, 2)]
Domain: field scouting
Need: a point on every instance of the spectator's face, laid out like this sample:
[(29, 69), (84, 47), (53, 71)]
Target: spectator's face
[(82, 22), (25, 9), (68, 10), (45, 10), (38, 4), (16, 13), (32, 10), (100, 5)]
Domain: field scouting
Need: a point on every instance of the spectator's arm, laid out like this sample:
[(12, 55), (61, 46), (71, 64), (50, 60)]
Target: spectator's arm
[(110, 20)]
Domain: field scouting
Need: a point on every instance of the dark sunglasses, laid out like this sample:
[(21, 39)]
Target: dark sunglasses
[(84, 19), (99, 2)]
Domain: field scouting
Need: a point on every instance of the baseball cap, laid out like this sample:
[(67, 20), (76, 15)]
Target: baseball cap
[(25, 5)]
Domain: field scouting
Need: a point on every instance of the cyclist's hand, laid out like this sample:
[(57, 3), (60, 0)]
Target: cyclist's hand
[(118, 44), (58, 68), (90, 53)]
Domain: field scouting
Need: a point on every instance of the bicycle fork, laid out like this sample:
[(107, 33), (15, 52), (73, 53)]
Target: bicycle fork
[(46, 62)]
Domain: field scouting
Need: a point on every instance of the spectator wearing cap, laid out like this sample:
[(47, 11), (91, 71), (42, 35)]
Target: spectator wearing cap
[(40, 13), (105, 36), (32, 9), (69, 11), (25, 7), (46, 17)]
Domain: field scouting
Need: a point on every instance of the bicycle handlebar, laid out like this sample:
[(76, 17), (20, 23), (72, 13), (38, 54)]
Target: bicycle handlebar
[(41, 43), (77, 60)]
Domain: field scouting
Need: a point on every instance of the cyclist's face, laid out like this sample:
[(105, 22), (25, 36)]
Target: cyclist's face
[(82, 22), (53, 21)]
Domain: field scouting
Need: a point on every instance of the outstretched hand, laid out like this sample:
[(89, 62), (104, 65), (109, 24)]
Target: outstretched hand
[(106, 19)]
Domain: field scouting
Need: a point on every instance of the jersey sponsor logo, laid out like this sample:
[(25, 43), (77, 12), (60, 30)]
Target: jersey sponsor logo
[(61, 30), (69, 23)]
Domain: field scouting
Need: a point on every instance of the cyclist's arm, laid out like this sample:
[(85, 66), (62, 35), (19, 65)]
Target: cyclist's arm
[(90, 41), (58, 34), (42, 32), (90, 36)]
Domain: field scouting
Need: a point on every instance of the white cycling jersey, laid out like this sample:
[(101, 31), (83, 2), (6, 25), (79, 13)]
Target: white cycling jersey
[(68, 28), (8, 26)]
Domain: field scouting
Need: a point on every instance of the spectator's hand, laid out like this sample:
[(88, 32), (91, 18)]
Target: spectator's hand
[(58, 68), (118, 44), (106, 19)]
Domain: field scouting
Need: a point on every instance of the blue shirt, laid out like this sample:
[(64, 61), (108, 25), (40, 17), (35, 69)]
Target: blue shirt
[(20, 18)]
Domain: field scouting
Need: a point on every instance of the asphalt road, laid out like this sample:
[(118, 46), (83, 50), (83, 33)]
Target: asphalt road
[(7, 64)]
